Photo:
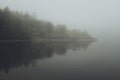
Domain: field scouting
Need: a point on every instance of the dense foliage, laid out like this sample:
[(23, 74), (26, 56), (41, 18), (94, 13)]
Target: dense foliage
[(19, 26)]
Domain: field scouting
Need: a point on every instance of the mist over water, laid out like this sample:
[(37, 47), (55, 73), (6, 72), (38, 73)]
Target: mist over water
[(97, 60)]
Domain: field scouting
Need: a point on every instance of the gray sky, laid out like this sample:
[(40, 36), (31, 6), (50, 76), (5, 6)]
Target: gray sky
[(94, 15)]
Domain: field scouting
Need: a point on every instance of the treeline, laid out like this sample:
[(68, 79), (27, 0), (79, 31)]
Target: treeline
[(23, 26)]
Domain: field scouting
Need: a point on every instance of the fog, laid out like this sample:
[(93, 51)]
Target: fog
[(78, 57), (96, 16)]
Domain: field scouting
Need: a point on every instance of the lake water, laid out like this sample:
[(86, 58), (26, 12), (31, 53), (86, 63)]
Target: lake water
[(99, 60)]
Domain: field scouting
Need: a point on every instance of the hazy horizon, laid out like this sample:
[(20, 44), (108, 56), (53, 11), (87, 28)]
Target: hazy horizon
[(55, 52), (96, 16)]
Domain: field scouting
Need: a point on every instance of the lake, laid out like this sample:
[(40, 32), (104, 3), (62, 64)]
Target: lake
[(97, 60)]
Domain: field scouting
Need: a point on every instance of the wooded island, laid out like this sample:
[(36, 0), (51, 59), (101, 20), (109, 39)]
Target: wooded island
[(23, 26)]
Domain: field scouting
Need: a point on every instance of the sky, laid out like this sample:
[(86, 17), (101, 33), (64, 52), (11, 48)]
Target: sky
[(96, 16)]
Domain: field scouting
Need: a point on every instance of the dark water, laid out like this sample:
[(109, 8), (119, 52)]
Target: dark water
[(99, 60)]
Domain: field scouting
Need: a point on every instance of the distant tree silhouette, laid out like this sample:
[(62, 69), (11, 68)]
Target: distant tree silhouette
[(18, 26)]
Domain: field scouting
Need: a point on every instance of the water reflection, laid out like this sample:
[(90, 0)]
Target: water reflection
[(22, 54)]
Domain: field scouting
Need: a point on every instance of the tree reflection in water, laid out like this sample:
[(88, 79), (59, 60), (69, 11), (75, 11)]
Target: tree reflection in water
[(22, 54)]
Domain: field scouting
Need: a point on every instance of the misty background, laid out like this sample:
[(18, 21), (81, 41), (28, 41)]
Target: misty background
[(99, 17)]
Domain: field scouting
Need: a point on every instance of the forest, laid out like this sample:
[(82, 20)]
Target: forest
[(16, 25)]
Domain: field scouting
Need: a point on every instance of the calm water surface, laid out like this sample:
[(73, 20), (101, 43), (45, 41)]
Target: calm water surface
[(99, 60)]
